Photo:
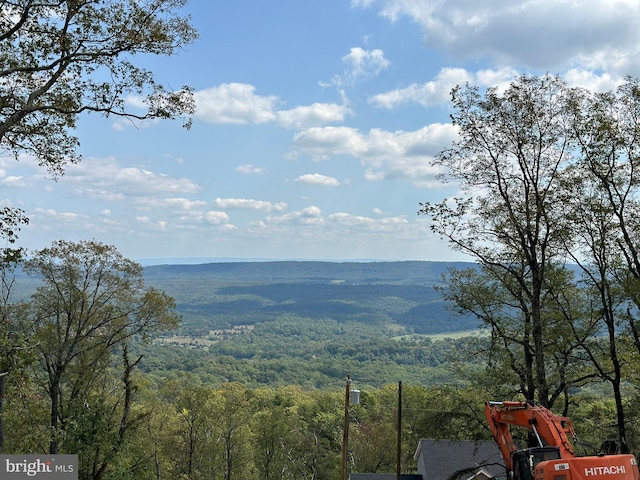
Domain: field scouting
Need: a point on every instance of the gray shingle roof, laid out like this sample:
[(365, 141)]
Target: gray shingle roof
[(449, 459), (383, 476)]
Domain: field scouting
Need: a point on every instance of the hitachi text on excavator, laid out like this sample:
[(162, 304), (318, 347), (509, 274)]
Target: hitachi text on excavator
[(554, 458)]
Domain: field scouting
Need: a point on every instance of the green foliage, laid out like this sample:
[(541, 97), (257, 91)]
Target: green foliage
[(91, 303), (257, 402), (215, 296), (60, 59)]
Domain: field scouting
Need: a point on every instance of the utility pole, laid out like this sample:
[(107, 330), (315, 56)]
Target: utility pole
[(345, 431), (399, 427)]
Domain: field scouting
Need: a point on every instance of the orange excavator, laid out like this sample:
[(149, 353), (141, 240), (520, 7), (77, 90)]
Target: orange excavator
[(554, 458)]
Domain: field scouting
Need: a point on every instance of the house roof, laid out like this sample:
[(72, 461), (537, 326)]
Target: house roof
[(384, 476), (462, 459)]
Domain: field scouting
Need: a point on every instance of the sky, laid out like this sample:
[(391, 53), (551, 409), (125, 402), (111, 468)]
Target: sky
[(315, 128)]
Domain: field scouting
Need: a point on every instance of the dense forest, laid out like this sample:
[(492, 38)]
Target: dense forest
[(308, 323), (248, 379)]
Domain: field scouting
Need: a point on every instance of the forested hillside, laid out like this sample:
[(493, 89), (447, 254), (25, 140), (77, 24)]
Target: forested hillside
[(263, 396), (401, 295), (307, 323)]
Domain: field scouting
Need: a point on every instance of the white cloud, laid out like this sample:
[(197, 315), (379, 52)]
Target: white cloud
[(308, 216), (105, 178), (147, 182), (326, 141), (592, 81), (234, 103), (216, 218), (184, 203), (249, 169), (312, 115), (361, 64), (384, 154), (364, 63), (13, 181), (317, 179), (237, 103), (310, 223), (58, 216), (438, 90), (541, 34), (249, 204), (384, 224)]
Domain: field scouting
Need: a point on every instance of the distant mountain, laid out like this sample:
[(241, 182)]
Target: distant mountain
[(223, 294), (405, 272)]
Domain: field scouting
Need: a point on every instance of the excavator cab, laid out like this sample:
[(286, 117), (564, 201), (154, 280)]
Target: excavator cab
[(525, 461)]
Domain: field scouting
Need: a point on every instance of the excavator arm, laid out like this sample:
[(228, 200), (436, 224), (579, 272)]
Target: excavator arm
[(553, 458), (549, 429)]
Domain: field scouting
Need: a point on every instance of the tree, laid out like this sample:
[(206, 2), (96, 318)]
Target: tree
[(62, 58), (275, 426), (603, 205), (92, 301), (14, 345), (507, 161), (231, 408)]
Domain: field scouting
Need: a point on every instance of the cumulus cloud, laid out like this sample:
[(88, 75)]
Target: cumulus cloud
[(312, 115), (360, 64), (307, 216), (249, 204), (384, 224), (184, 203), (238, 103), (321, 143), (337, 224), (58, 216), (384, 154), (364, 63), (249, 169), (216, 218), (437, 91), (144, 181), (601, 82), (234, 103), (317, 179), (13, 181), (105, 178), (540, 34)]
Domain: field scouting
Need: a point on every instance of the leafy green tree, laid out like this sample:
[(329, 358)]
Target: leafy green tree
[(231, 404), (603, 203), (373, 431), (320, 445), (512, 147), (15, 347), (603, 299), (92, 301), (275, 426), (62, 58), (190, 440)]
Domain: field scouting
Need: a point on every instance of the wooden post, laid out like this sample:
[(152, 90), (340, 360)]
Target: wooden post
[(399, 427), (345, 431)]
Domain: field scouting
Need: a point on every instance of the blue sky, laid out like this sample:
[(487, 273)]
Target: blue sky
[(315, 127)]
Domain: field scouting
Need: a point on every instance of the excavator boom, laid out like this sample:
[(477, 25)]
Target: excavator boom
[(554, 458)]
